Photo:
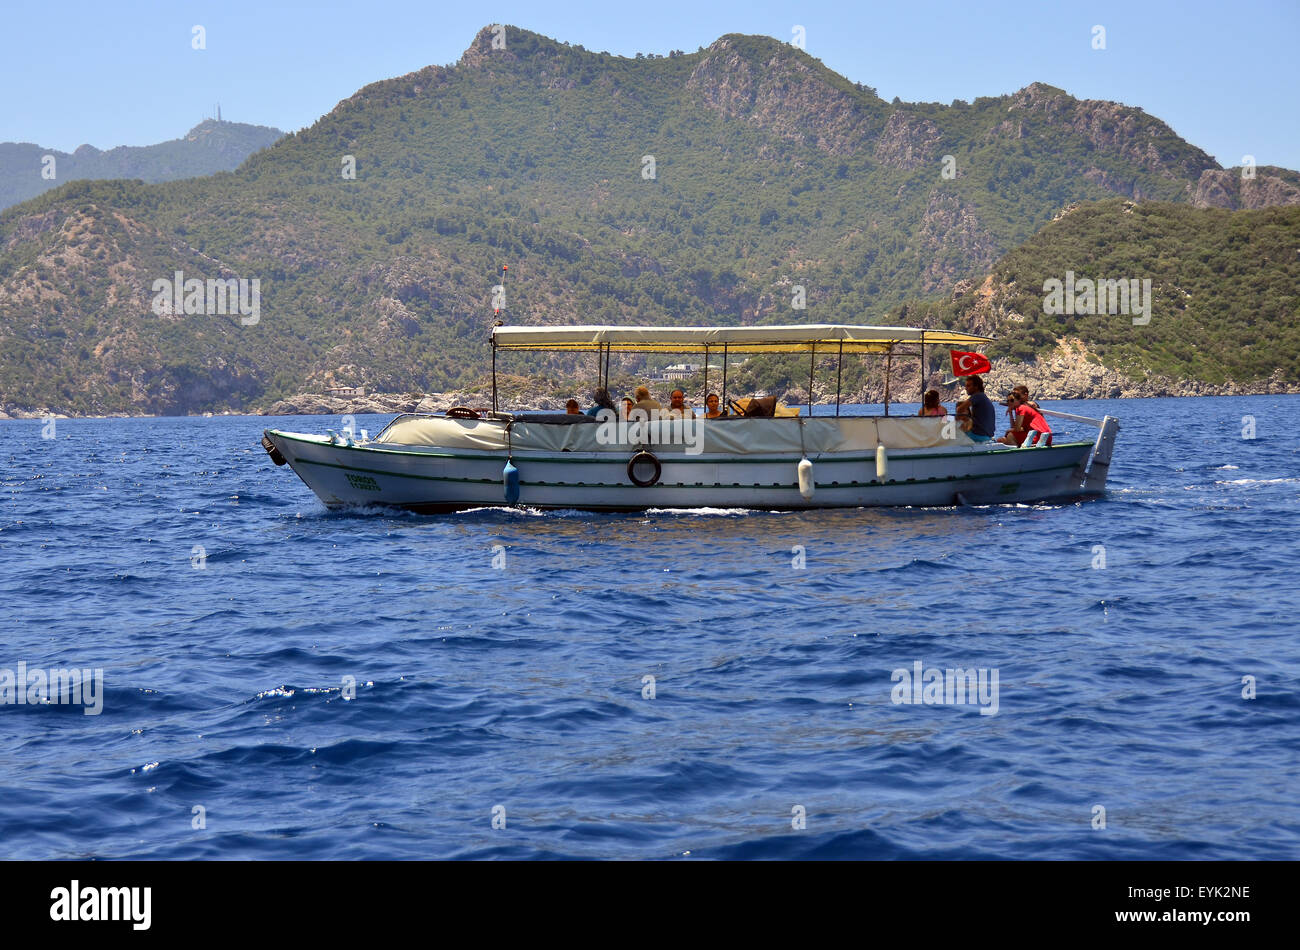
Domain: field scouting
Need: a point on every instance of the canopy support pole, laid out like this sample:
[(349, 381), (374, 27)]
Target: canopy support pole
[(494, 375), (922, 370), (725, 404), (706, 372), (812, 368), (889, 372), (839, 376)]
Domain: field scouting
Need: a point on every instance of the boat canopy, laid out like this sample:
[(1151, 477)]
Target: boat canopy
[(815, 338)]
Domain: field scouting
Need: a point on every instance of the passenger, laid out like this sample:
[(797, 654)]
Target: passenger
[(1016, 434), (602, 401), (643, 401), (981, 419), (931, 406), (1029, 420), (571, 408), (677, 404), (711, 410), (1024, 392), (628, 406)]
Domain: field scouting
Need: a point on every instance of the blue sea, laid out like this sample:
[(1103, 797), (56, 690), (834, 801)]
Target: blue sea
[(284, 682)]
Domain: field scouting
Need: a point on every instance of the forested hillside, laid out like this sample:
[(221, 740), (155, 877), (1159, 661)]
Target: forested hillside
[(713, 187)]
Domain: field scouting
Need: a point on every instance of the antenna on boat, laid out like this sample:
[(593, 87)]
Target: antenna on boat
[(498, 304), (499, 292)]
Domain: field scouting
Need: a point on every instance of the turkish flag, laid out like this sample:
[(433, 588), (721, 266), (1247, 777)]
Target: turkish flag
[(968, 364)]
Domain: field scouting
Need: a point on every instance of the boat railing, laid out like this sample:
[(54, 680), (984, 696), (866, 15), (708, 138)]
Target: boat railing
[(1086, 420)]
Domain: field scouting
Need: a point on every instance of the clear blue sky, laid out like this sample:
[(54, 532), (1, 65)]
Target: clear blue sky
[(1224, 76)]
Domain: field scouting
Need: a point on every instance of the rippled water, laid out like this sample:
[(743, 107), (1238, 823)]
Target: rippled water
[(228, 611)]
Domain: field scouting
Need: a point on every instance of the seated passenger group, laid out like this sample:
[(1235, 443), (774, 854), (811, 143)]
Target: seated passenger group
[(645, 402), (978, 419), (975, 414), (676, 404)]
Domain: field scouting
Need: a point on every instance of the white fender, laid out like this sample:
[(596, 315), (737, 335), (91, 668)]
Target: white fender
[(882, 463), (806, 484)]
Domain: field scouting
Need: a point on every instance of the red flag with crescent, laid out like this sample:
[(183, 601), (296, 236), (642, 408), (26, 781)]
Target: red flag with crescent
[(969, 364)]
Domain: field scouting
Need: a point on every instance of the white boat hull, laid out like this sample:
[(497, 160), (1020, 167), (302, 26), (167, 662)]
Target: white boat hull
[(434, 479)]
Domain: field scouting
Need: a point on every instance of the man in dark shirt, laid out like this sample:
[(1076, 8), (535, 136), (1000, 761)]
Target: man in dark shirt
[(984, 418)]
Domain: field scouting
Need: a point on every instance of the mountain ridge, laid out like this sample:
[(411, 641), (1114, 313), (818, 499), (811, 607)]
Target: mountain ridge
[(536, 156), (208, 147)]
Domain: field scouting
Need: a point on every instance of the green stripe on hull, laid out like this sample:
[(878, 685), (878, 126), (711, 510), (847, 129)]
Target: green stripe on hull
[(586, 458), (794, 487)]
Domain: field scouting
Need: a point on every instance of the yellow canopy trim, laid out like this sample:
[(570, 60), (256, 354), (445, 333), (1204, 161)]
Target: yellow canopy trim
[(825, 338)]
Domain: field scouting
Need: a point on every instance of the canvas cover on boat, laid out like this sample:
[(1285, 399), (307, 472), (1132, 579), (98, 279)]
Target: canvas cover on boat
[(730, 436)]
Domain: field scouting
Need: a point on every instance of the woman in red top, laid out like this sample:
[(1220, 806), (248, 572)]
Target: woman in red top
[(1023, 393), (1028, 419), (1014, 435)]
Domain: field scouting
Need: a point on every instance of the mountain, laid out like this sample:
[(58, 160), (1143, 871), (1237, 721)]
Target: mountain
[(1224, 313), (700, 187), (1265, 187), (211, 146)]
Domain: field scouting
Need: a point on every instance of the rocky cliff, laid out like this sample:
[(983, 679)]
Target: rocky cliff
[(1237, 188)]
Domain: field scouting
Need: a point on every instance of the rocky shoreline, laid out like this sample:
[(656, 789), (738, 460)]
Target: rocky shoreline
[(1067, 373), (315, 404), (1046, 380)]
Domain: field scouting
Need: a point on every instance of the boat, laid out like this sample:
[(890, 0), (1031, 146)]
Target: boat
[(472, 458)]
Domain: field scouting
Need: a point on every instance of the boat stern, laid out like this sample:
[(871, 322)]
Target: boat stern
[(1094, 481)]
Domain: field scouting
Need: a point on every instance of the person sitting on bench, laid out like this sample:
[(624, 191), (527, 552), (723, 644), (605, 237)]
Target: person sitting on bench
[(979, 418)]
